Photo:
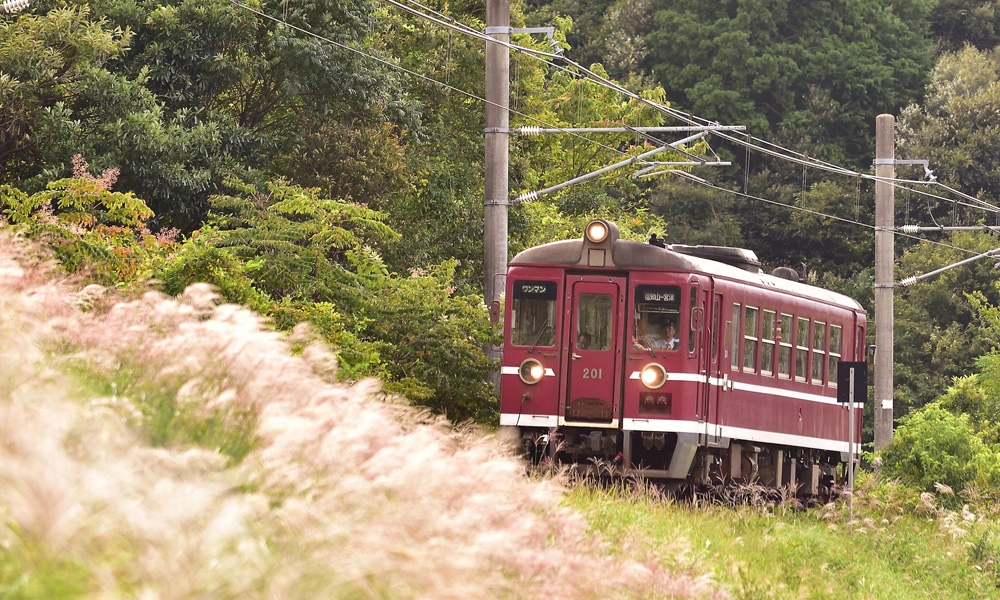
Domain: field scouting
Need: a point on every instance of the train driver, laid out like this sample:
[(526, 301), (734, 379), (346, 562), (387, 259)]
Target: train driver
[(667, 339)]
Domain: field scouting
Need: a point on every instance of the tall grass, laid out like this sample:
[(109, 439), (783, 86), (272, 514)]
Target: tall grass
[(177, 448)]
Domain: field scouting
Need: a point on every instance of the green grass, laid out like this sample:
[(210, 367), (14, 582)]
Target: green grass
[(162, 420), (779, 553)]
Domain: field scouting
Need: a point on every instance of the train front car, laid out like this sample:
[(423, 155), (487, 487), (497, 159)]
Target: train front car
[(681, 363)]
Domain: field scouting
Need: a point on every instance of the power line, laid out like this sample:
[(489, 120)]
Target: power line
[(691, 119), (752, 142), (817, 213), (416, 74)]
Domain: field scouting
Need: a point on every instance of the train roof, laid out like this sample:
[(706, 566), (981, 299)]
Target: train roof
[(626, 254)]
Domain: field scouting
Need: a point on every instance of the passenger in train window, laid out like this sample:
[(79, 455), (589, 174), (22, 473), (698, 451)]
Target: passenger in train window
[(583, 341)]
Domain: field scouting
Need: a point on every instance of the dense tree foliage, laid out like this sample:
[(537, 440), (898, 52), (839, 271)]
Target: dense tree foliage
[(315, 182), (955, 129), (822, 69)]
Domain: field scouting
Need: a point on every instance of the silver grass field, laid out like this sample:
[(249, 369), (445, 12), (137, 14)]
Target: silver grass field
[(181, 448)]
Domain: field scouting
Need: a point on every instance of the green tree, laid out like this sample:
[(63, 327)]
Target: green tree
[(938, 331), (956, 23), (60, 95), (300, 257), (955, 129), (819, 69)]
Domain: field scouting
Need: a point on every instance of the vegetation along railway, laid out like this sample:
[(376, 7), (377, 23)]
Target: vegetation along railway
[(686, 364)]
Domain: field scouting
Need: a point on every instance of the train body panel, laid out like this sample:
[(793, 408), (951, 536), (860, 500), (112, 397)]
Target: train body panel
[(676, 365)]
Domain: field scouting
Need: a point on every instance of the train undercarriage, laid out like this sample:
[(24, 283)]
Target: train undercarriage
[(684, 460)]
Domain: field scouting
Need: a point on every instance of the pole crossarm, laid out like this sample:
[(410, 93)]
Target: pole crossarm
[(535, 130), (911, 280), (919, 229), (531, 196), (678, 163)]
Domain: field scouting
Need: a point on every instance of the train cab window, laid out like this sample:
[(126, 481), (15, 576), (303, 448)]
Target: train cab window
[(594, 319), (533, 313), (819, 352), (735, 347), (836, 337), (785, 347), (750, 340), (801, 349), (767, 332), (657, 317)]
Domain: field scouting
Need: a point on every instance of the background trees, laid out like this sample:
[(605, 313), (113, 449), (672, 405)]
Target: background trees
[(312, 179)]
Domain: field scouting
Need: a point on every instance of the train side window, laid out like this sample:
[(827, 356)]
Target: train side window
[(657, 317), (533, 314), (750, 340), (767, 343), (785, 347), (801, 349), (834, 357), (735, 347), (819, 352)]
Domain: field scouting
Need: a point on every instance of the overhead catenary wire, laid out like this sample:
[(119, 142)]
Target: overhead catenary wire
[(416, 74), (690, 119), (751, 142), (12, 6), (817, 213)]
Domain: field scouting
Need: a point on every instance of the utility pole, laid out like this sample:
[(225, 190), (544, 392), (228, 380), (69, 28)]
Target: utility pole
[(497, 140), (885, 158)]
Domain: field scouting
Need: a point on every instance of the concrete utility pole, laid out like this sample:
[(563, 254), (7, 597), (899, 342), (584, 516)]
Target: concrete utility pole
[(497, 140), (885, 155)]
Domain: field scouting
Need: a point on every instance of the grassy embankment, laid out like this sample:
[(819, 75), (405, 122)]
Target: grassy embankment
[(902, 545), (176, 448)]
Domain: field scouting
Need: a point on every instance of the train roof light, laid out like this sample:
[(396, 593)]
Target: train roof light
[(597, 231)]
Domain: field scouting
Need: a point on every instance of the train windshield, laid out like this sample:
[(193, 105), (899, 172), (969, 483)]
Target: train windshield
[(533, 314), (657, 316)]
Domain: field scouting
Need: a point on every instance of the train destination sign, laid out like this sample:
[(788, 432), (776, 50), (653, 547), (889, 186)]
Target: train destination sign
[(543, 290), (657, 294)]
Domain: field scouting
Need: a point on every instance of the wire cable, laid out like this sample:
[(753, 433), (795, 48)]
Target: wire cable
[(792, 156), (827, 215), (422, 76)]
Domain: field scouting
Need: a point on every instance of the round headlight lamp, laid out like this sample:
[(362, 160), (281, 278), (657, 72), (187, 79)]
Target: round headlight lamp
[(597, 231), (531, 371), (653, 376)]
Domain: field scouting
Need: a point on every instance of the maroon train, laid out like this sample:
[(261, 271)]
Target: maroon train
[(744, 388)]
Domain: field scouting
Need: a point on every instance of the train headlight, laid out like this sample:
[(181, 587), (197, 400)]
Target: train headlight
[(653, 376), (597, 231), (531, 371)]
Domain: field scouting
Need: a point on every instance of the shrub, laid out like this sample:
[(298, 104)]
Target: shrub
[(935, 446)]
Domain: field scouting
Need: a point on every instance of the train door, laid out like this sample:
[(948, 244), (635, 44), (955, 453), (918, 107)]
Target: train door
[(699, 291), (715, 354), (595, 325), (730, 340)]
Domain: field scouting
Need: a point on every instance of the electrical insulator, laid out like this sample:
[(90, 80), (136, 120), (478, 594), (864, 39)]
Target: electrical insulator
[(10, 6), (908, 281), (530, 130), (527, 197), (910, 229)]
